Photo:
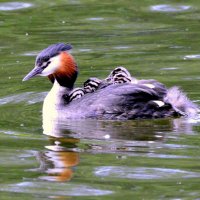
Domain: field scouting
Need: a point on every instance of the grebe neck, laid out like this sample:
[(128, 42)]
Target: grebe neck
[(53, 106), (55, 95)]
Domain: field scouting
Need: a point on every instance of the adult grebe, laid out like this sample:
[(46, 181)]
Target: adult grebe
[(127, 100)]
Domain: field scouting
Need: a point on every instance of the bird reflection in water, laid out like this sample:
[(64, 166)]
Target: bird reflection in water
[(123, 138), (60, 159)]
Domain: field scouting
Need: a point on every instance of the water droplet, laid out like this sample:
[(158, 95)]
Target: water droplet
[(107, 136), (57, 142)]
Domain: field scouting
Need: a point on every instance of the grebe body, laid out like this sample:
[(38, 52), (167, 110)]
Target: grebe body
[(118, 97)]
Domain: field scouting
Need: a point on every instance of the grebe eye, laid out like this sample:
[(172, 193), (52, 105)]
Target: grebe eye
[(45, 64)]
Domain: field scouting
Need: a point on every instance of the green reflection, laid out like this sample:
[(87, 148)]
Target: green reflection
[(151, 44)]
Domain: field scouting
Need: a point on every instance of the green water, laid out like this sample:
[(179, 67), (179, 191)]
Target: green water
[(146, 159)]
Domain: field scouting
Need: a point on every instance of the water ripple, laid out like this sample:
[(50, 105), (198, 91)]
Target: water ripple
[(85, 50), (28, 97), (197, 56), (153, 155), (121, 47), (60, 189), (95, 18), (169, 68), (169, 8), (14, 6), (31, 53), (143, 172)]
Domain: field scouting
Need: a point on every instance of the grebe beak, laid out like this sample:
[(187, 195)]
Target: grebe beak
[(36, 71)]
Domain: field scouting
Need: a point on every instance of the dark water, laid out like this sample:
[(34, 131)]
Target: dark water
[(144, 159)]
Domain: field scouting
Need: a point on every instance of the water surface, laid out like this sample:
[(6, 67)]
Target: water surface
[(142, 159)]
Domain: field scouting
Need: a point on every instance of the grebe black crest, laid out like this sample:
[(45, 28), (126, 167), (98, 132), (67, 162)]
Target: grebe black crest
[(120, 96)]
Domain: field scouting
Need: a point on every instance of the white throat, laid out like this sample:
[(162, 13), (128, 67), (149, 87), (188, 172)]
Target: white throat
[(53, 104), (51, 68), (54, 97)]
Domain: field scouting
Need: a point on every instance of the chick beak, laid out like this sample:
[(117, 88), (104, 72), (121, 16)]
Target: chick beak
[(36, 71)]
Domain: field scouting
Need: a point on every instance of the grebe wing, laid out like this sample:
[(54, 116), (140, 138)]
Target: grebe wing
[(160, 88), (123, 101)]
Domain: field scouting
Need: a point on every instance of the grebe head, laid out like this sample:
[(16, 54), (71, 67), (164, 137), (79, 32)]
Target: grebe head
[(56, 63)]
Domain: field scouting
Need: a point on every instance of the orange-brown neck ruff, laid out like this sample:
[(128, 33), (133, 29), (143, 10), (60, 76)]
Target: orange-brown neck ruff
[(67, 72)]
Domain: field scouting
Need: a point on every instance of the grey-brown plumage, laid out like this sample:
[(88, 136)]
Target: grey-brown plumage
[(123, 101)]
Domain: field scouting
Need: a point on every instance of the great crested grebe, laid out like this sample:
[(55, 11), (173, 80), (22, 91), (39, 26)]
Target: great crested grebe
[(131, 99)]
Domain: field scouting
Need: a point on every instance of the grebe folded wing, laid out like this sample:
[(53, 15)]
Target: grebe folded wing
[(124, 101)]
